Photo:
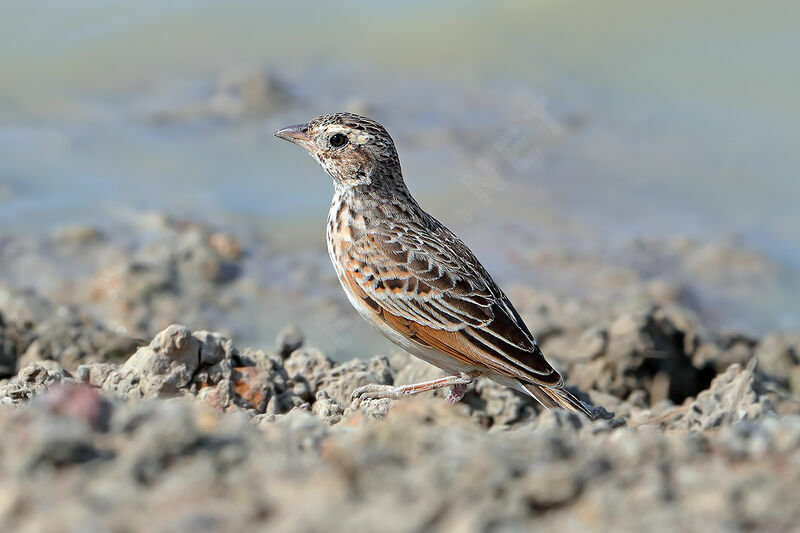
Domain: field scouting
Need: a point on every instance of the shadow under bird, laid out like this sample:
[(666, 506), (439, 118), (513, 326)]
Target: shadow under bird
[(412, 278)]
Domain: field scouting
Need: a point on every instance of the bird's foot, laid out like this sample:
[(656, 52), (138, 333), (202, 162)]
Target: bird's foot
[(374, 391), (456, 393)]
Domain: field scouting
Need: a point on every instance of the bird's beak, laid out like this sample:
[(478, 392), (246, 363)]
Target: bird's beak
[(297, 134)]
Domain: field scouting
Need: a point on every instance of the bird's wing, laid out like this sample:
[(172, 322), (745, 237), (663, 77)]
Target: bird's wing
[(424, 282)]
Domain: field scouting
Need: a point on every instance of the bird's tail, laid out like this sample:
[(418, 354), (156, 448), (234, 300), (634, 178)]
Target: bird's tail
[(558, 397)]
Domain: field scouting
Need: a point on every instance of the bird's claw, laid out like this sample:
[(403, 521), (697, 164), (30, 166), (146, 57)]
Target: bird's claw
[(373, 391), (456, 393)]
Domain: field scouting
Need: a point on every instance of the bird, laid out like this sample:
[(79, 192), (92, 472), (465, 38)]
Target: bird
[(414, 279)]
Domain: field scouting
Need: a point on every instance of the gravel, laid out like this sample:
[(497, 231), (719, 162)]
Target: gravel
[(189, 431)]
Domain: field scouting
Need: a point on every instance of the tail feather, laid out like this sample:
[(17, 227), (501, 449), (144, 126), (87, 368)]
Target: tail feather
[(558, 397)]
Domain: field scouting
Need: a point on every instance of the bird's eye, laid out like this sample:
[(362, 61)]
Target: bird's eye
[(338, 140)]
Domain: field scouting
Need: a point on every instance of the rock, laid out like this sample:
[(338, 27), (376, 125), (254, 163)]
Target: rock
[(227, 246), (249, 91), (650, 350), (309, 363), (24, 307), (732, 397), (97, 460), (78, 235), (248, 384), (494, 405), (73, 339), (240, 93), (166, 365), (592, 343), (9, 349), (339, 381), (34, 380), (327, 409), (33, 330), (214, 347), (183, 432), (79, 401), (289, 339), (206, 365), (179, 271), (723, 351), (779, 358)]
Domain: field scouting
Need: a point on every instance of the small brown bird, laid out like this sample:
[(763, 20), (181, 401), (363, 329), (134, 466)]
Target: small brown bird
[(412, 278)]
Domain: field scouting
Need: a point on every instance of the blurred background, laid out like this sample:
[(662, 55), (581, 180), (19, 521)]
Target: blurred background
[(589, 152)]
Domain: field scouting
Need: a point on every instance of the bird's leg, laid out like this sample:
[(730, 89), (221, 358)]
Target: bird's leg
[(374, 391)]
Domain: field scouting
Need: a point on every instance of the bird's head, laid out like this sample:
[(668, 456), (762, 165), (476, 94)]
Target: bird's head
[(354, 150)]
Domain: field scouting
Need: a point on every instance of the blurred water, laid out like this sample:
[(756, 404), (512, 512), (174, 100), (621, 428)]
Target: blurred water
[(673, 118)]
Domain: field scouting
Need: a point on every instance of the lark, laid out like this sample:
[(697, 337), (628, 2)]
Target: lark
[(412, 278)]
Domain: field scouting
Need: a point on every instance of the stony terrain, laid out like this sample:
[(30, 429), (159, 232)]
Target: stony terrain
[(189, 431)]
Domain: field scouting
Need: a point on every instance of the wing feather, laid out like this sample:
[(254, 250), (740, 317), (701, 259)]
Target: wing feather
[(425, 283)]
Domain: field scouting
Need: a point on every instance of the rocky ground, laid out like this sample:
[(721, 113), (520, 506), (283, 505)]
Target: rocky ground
[(189, 431)]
